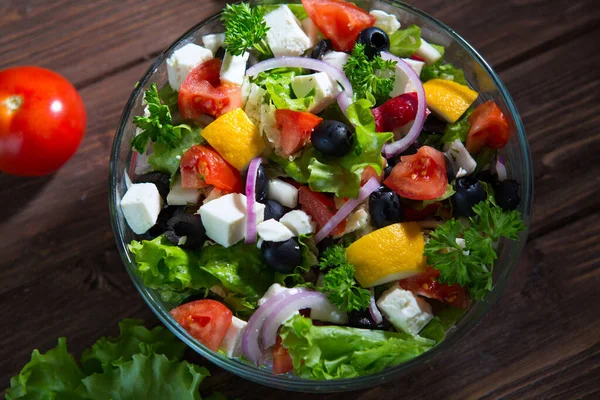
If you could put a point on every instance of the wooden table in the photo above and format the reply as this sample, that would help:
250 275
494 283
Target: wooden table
61 275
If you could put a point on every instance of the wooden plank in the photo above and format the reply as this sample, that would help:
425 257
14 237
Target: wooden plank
87 40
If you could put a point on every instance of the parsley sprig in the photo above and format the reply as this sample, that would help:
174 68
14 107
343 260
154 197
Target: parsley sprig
470 263
339 284
158 127
371 79
245 28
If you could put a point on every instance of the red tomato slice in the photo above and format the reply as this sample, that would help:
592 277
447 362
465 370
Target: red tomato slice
426 284
396 112
206 320
338 20
296 127
282 361
489 128
203 93
421 176
368 173
320 207
202 166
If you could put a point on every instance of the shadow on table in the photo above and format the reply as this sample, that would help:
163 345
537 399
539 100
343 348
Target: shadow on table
17 191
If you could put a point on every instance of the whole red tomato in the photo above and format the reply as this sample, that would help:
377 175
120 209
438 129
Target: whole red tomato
42 121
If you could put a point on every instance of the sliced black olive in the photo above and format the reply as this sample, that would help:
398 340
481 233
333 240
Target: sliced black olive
220 54
434 125
161 223
274 210
161 180
469 191
282 256
262 184
375 41
186 229
321 48
332 138
507 194
363 319
385 208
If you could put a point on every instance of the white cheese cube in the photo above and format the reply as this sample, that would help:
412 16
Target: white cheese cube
274 231
183 61
321 85
273 290
404 310
224 219
141 206
428 53
386 22
283 193
359 219
232 342
179 196
460 158
233 68
311 31
336 58
285 36
299 222
214 41
401 83
329 313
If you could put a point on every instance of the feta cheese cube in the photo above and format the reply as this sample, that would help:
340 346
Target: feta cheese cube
386 22
401 83
224 219
233 68
273 231
428 53
232 342
407 312
329 313
359 219
311 31
460 158
183 61
179 196
285 36
141 206
283 193
273 290
324 88
299 222
336 58
214 41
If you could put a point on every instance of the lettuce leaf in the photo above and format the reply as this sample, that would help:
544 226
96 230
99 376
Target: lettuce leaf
439 70
164 159
297 9
405 42
444 320
459 129
147 377
278 84
332 352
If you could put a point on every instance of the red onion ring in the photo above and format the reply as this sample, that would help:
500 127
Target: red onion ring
368 188
286 309
251 199
250 346
399 146
497 167
373 310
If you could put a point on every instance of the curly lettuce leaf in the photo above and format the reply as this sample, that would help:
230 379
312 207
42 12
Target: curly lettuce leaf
333 352
445 319
278 84
165 159
405 42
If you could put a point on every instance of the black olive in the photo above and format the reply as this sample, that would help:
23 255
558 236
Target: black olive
487 176
161 223
412 149
220 54
434 125
321 48
449 169
161 180
324 244
332 138
274 210
469 191
363 319
385 208
188 225
282 256
375 41
507 194
262 184
387 171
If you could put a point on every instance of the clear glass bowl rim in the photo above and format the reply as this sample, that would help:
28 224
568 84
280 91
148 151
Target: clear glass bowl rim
250 372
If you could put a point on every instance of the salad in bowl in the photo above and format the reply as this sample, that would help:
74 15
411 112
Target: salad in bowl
316 191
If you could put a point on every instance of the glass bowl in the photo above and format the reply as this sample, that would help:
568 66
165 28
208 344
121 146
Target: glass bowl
480 76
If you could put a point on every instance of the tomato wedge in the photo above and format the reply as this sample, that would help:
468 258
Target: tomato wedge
282 361
296 127
426 284
489 128
421 176
320 207
338 20
202 166
206 320
203 93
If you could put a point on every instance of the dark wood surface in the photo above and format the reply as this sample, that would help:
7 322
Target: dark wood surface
61 275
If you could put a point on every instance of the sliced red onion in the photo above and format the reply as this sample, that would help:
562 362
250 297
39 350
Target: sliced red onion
306 63
399 146
497 167
250 345
373 310
368 188
286 309
344 102
251 199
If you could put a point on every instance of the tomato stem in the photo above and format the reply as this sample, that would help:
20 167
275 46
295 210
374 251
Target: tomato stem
13 103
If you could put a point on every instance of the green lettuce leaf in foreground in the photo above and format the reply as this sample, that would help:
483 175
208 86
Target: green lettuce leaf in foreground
333 352
164 158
